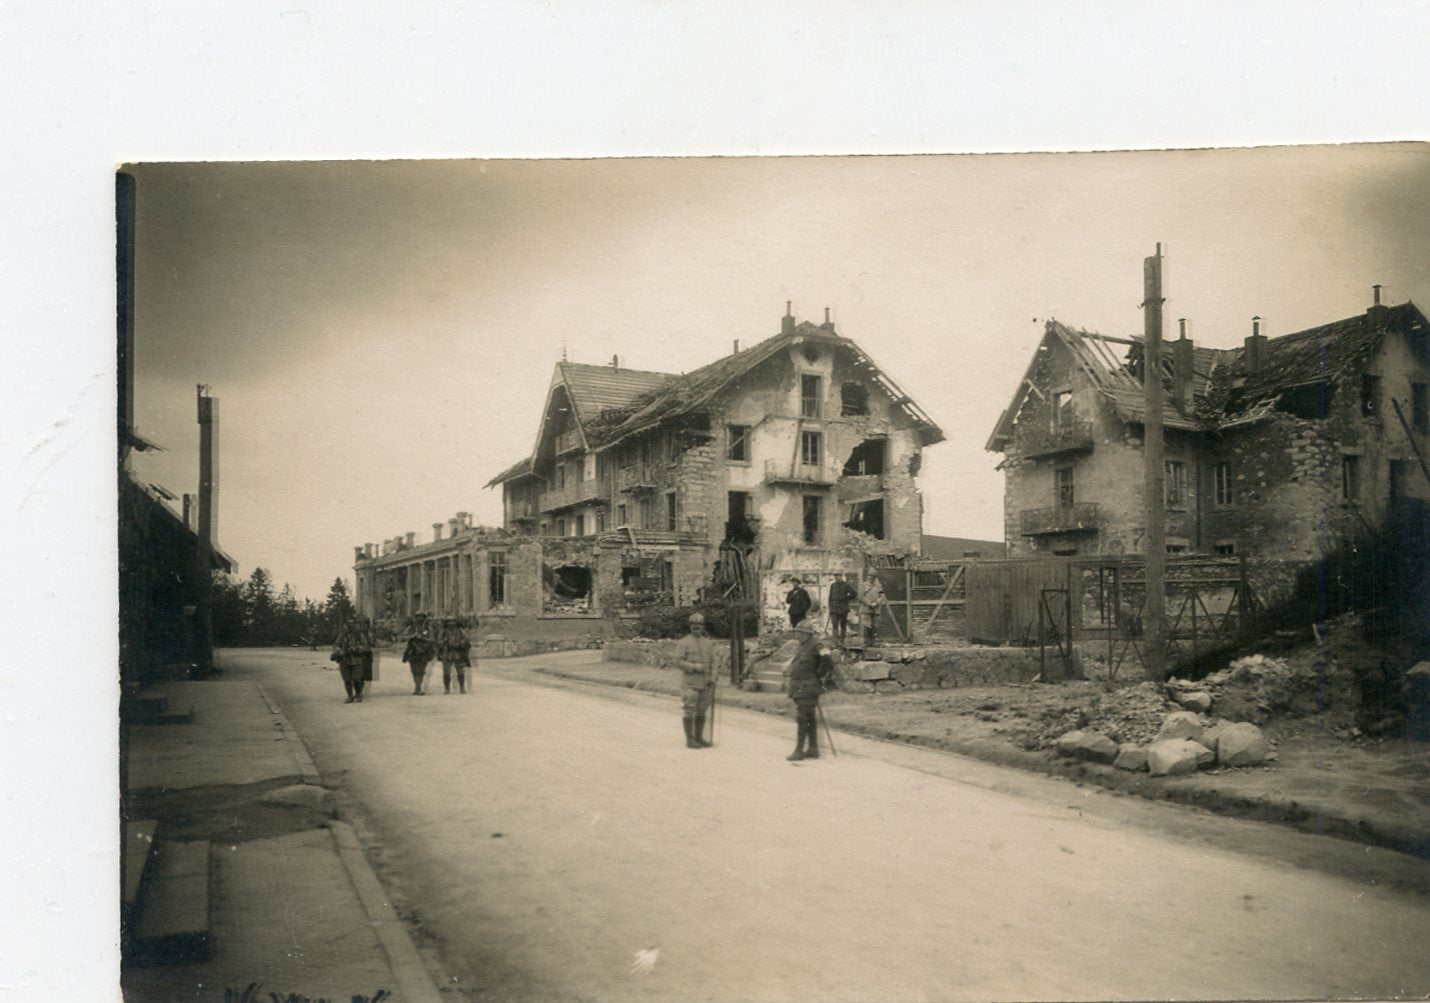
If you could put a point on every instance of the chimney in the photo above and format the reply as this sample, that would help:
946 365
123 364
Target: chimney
188 510
828 324
369 550
208 417
615 362
358 554
1255 356
436 532
736 349
1182 367
787 321
411 540
1376 315
456 525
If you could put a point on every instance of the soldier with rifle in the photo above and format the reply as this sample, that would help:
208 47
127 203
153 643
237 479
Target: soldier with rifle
695 655
420 648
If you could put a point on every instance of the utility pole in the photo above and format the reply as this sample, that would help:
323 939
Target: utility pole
203 578
1155 609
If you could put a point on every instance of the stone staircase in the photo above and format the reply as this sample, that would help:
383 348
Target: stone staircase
152 706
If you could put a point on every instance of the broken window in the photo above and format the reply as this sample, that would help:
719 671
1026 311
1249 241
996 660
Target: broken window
810 447
1350 478
1221 483
1310 401
1065 495
496 577
867 517
1419 407
738 448
1175 482
811 395
1062 409
853 399
1369 395
670 512
866 458
568 589
739 526
811 519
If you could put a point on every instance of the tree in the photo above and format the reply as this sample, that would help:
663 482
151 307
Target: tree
258 607
337 607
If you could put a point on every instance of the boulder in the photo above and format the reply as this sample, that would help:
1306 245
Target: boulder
1090 745
871 671
1241 744
1130 756
1198 701
1180 724
1170 757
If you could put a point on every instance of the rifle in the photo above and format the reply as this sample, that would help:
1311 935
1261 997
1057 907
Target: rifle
711 702
828 735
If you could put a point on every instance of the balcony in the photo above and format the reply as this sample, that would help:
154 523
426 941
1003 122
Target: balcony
1079 518
572 494
640 477
857 487
800 474
568 442
1069 437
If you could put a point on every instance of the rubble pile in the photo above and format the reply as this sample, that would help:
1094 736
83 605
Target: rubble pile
1131 714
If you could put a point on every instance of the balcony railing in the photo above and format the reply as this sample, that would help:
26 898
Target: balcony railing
1079 518
572 494
568 442
795 472
640 477
1069 437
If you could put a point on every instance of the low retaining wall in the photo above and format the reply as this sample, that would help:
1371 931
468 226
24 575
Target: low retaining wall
659 653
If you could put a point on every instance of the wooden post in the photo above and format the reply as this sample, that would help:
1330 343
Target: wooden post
1156 601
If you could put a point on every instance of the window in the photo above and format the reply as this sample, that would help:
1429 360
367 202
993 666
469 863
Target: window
867 517
561 526
1175 484
811 519
810 395
1062 409
1065 487
578 525
1221 483
1398 471
670 508
1419 407
1350 479
600 517
647 514
1224 548
866 458
738 448
810 447
496 577
1369 395
853 399
621 515
560 476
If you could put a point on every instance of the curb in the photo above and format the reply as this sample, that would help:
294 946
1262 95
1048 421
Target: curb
306 768
414 982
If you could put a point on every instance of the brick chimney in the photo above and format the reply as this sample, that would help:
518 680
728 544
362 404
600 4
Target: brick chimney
411 540
828 324
1254 358
436 532
358 553
1376 315
787 321
1182 367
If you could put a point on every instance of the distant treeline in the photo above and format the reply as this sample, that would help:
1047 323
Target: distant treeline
248 613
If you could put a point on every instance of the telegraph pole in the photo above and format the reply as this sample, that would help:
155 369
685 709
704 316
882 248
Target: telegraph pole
203 580
1155 615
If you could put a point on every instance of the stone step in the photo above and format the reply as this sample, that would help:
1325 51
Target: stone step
173 924
138 855
168 714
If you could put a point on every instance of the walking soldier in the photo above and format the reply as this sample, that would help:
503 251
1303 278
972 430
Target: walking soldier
695 654
419 651
809 672
454 650
352 650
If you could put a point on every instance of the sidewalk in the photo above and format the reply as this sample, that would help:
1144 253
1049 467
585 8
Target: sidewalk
1377 795
294 907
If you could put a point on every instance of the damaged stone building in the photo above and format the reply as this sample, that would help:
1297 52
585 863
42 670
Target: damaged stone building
1281 448
796 456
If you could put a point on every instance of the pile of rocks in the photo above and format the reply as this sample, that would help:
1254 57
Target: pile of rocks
1185 742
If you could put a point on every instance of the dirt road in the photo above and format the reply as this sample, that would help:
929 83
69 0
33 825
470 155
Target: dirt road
559 842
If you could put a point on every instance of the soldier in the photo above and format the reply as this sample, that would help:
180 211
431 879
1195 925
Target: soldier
419 651
809 672
797 599
350 650
695 654
455 652
367 642
869 602
841 593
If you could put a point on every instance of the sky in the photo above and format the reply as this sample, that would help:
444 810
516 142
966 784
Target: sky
380 335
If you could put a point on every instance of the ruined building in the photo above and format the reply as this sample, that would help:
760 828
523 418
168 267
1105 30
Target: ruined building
797 453
1281 448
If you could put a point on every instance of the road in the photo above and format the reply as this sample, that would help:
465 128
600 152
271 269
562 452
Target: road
558 841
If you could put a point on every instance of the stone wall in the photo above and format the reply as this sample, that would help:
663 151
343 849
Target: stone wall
660 653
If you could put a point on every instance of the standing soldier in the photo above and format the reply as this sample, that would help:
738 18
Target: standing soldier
841 593
367 642
809 670
454 650
348 651
419 651
869 602
695 654
797 599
